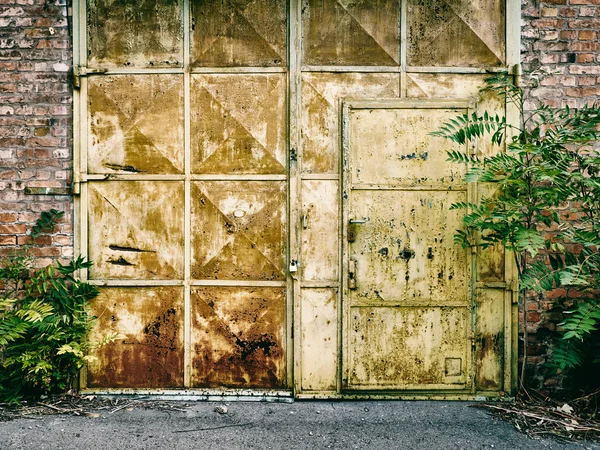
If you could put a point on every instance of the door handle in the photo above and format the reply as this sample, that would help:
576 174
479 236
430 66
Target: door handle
352 223
352 274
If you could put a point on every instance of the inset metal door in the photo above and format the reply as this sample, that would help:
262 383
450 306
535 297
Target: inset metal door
408 289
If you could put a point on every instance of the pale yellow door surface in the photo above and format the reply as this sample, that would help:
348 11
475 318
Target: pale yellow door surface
408 290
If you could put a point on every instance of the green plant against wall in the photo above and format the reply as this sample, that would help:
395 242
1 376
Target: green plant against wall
44 323
545 160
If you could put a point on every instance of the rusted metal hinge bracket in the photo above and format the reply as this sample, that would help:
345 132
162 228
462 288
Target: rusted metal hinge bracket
77 180
517 71
82 71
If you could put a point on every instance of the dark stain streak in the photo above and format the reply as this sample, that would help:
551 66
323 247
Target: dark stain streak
430 253
120 248
123 168
120 262
248 347
383 252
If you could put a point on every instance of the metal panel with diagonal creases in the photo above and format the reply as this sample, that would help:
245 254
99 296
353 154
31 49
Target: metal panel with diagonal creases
149 353
145 33
238 124
232 33
456 33
238 337
238 230
127 133
352 33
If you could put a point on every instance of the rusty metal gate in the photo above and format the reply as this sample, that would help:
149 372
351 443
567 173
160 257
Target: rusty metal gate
263 205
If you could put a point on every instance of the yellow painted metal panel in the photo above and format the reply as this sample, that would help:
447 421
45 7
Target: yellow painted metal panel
128 130
319 339
238 337
151 353
320 242
490 341
136 230
394 147
351 33
144 33
321 93
459 33
408 348
239 33
238 230
238 124
405 251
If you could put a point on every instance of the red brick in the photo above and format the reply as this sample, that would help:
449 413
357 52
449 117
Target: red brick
8 217
8 240
16 228
586 35
582 92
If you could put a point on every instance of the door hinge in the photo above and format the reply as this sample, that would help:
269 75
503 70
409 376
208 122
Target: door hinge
76 183
82 71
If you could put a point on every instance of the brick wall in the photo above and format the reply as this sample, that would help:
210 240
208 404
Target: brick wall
35 122
560 39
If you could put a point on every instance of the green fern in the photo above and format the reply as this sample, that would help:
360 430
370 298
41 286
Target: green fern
44 323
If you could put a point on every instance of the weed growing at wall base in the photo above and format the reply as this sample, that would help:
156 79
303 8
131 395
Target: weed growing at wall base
548 159
44 323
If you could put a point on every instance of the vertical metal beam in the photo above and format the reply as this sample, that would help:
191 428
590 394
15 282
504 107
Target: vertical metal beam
82 127
187 328
294 350
403 45
511 329
78 208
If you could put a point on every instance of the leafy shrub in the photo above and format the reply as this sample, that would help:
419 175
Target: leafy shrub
44 322
548 160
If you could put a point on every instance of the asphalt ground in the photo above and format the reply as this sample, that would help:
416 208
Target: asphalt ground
261 425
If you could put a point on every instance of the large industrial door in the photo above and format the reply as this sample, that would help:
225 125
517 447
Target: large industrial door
215 195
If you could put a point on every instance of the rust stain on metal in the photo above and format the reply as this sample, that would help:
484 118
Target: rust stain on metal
136 230
407 347
238 124
461 33
127 127
320 113
351 33
145 33
237 337
489 357
151 354
238 230
239 33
